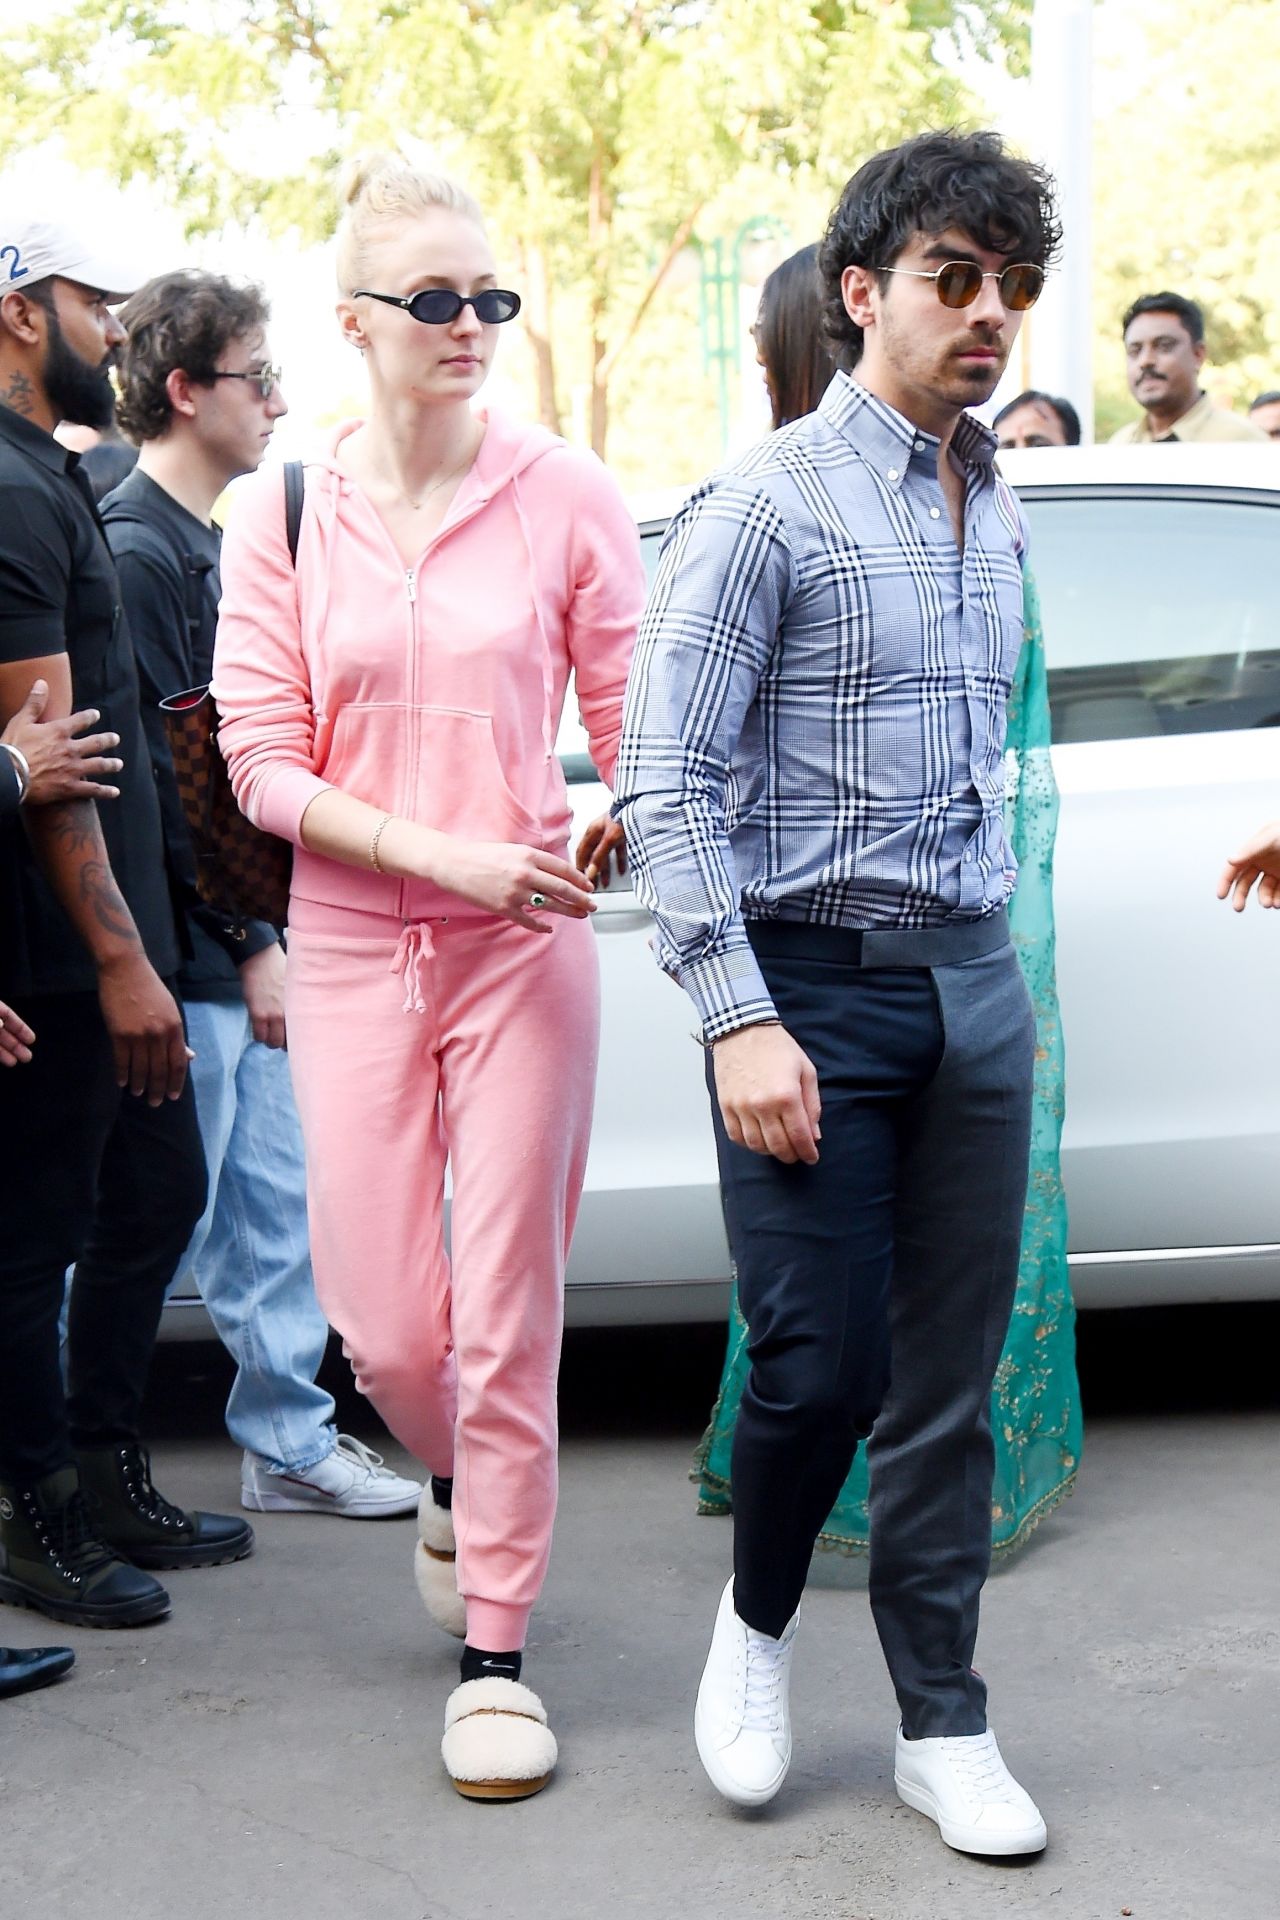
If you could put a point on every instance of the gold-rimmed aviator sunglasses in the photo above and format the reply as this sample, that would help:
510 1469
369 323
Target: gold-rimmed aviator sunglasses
959 282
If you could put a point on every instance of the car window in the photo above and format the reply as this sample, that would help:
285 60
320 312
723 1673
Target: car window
1161 613
571 741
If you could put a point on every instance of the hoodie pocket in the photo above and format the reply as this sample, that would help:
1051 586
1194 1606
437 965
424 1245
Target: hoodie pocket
438 766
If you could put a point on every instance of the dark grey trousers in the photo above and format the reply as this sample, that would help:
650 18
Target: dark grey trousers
877 1286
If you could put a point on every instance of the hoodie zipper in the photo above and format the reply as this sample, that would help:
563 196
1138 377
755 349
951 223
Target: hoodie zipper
411 587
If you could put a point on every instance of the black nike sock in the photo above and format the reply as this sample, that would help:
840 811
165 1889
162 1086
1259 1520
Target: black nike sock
479 1665
442 1491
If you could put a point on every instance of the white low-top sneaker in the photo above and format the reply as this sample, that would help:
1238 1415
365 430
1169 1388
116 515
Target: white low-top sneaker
962 1783
742 1722
351 1481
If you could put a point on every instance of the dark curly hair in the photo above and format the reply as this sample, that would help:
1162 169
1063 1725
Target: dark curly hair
969 181
184 320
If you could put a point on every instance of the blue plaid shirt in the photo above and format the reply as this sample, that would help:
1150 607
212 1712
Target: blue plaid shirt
815 718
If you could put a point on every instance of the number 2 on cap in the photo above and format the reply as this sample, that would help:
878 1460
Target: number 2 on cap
16 271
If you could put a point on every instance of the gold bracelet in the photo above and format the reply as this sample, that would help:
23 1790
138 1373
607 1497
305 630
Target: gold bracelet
374 861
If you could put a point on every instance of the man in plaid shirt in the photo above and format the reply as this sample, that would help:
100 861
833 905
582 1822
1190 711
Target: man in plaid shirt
811 781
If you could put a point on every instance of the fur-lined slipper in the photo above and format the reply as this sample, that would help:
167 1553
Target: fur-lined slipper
435 1567
497 1744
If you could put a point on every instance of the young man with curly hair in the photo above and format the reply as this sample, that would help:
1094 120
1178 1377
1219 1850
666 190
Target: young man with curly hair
811 780
200 396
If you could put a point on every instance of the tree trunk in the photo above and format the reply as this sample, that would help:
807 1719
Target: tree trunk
599 397
536 313
599 211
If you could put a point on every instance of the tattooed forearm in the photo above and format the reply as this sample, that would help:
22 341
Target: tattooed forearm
19 394
73 826
67 841
105 901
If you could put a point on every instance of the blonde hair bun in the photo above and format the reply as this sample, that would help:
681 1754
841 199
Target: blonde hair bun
377 190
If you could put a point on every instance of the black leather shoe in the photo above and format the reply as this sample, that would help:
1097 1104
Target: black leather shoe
22 1669
145 1527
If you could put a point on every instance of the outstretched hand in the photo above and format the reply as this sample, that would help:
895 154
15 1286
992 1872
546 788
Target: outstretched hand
1256 864
66 762
602 844
519 883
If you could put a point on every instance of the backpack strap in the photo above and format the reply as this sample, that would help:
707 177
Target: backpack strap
133 533
294 486
195 573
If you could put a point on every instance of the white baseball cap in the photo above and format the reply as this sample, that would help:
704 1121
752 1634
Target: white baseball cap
34 249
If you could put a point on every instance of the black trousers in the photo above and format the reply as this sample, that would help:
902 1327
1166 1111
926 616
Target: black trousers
93 1178
877 1288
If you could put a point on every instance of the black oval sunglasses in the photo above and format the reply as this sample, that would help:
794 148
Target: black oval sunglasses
439 306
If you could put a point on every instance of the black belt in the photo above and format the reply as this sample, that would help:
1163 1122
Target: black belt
880 946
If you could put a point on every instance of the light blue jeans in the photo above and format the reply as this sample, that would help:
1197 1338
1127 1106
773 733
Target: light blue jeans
250 1256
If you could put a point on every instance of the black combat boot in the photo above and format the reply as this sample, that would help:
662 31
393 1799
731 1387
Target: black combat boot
145 1527
53 1558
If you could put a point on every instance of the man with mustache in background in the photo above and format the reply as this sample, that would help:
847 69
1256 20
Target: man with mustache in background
1164 352
102 1167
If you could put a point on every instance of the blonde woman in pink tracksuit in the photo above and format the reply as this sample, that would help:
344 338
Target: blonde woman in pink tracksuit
391 707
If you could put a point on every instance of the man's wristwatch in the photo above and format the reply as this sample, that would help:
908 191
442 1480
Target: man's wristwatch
21 767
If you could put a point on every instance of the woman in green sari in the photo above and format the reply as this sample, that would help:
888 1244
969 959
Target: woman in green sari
1035 1403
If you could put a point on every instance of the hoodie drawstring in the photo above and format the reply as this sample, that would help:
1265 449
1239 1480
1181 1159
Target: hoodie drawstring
548 670
414 952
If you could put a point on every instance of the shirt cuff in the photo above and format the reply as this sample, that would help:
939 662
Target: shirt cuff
728 990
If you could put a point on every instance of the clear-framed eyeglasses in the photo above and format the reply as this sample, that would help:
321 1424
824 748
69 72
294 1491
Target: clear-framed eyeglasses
266 378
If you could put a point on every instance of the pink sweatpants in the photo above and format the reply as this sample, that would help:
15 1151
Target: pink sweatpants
473 1041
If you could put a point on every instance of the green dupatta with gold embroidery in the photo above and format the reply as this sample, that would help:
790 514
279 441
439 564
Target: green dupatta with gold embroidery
1035 1403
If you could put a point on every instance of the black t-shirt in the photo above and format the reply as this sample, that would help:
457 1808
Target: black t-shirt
106 465
59 594
167 566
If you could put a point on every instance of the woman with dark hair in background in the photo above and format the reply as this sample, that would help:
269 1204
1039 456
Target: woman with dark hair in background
1035 1411
790 344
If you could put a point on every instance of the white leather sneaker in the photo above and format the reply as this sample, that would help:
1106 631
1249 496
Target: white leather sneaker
742 1722
962 1783
351 1481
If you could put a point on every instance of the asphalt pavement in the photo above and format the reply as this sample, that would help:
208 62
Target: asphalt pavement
273 1748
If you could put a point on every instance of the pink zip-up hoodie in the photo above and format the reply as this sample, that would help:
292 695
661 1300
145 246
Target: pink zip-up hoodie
433 692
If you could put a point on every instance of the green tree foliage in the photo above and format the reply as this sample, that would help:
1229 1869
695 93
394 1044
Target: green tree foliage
601 135
1187 185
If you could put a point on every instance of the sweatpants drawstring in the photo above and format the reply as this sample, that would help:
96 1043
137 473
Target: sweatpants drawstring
414 950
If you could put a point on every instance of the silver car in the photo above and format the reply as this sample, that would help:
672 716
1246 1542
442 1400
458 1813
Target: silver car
1159 573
